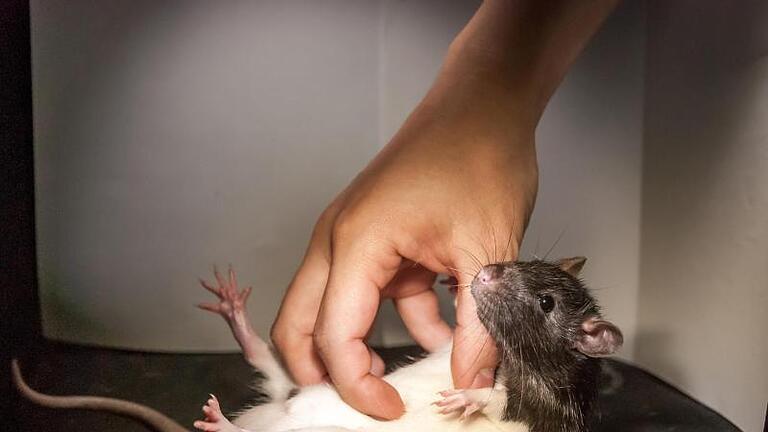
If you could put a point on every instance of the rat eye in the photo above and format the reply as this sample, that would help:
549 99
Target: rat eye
547 303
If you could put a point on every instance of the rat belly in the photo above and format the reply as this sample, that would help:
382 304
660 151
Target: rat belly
320 408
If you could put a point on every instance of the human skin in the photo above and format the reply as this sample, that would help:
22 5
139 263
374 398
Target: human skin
452 190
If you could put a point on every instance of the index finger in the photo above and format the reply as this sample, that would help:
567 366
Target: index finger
346 315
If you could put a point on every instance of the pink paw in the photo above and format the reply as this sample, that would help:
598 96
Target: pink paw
214 419
232 300
458 400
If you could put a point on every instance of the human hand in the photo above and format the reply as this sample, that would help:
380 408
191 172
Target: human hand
442 197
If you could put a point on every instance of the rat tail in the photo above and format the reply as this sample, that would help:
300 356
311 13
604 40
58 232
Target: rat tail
150 417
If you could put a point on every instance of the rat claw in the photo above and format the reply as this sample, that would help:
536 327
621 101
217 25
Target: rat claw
219 278
209 307
232 276
214 421
209 287
246 293
468 411
214 403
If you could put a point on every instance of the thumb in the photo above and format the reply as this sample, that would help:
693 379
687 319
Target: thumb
474 351
349 306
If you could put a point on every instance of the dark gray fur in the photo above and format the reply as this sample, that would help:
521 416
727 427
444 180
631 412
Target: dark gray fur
551 385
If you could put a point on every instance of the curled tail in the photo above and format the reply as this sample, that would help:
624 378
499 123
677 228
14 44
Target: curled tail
150 417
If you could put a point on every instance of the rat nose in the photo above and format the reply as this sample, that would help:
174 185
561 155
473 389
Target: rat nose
489 274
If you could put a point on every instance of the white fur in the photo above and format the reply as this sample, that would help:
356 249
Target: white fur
319 408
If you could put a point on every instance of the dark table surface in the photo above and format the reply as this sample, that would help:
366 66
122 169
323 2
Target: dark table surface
178 384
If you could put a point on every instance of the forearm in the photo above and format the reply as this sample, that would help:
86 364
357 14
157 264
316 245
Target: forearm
513 54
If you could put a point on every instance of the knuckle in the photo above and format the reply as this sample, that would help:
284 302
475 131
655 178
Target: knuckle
326 220
322 342
344 227
326 217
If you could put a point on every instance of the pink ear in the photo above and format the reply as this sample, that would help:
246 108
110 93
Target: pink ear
598 338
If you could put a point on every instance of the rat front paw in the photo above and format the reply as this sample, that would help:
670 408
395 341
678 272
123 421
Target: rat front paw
466 401
214 419
231 299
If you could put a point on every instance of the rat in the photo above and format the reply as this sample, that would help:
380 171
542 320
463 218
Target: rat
550 336
547 327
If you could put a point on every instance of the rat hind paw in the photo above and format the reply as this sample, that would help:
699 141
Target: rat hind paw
465 401
214 419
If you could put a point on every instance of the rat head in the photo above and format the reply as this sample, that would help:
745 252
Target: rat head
539 310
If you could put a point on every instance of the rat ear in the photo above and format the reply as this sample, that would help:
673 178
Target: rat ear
598 338
572 265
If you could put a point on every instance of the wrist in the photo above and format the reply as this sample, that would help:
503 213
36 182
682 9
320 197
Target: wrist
508 86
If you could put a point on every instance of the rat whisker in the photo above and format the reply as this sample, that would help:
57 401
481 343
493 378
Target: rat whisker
522 388
483 242
493 239
471 332
460 271
483 247
560 236
459 285
536 248
477 357
487 256
509 238
473 257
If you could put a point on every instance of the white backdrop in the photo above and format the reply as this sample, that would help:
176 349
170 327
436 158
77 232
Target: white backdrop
172 136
